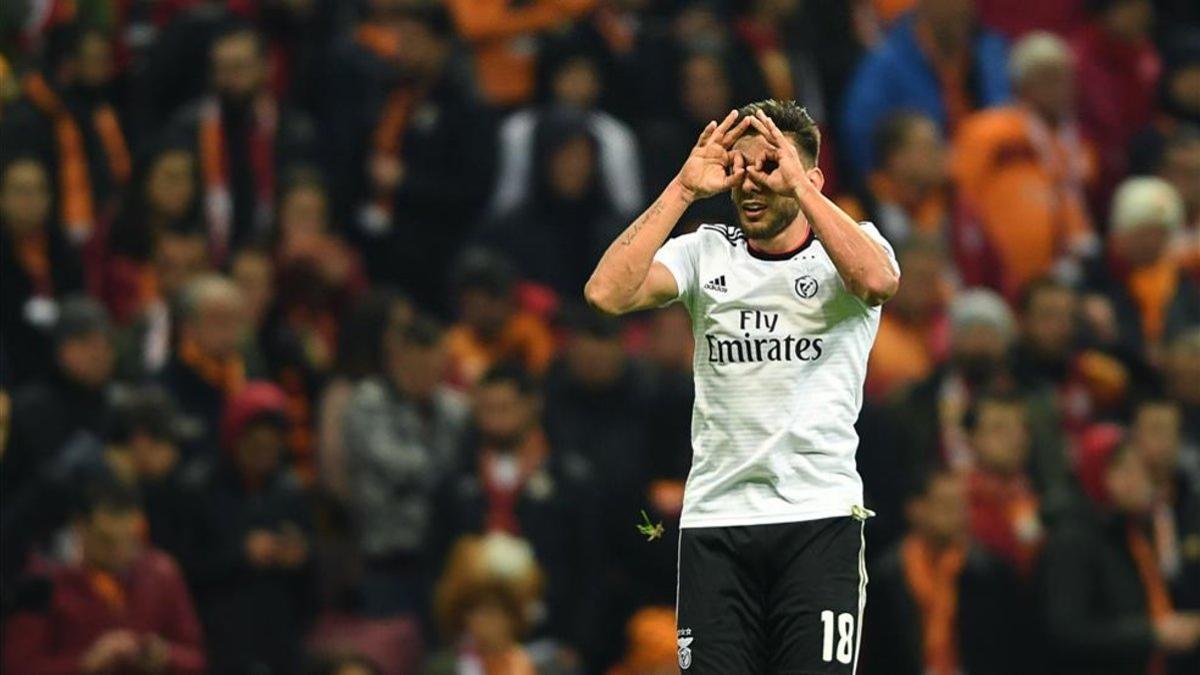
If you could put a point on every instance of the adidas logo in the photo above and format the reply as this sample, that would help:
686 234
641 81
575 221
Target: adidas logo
717 284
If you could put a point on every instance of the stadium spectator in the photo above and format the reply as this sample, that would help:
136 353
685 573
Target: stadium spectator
243 137
776 37
504 35
566 217
928 416
179 257
250 548
1002 157
1016 18
1107 608
316 275
1180 166
668 365
908 195
941 604
912 338
361 335
402 433
1048 354
123 607
68 118
1119 68
208 367
492 327
1004 509
651 646
485 602
252 269
1177 109
164 196
938 61
706 92
135 448
38 266
414 150
596 406
1179 367
1152 298
511 480
528 135
1155 437
300 252
74 399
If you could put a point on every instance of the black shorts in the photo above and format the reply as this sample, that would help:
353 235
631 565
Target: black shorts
785 599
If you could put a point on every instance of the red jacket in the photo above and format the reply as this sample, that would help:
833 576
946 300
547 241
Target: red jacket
155 601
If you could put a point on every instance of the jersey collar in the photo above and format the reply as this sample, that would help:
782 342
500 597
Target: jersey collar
786 255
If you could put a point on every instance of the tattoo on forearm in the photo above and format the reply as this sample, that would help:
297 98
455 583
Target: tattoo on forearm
631 233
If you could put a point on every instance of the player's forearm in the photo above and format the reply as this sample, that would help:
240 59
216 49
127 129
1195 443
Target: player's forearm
616 284
862 263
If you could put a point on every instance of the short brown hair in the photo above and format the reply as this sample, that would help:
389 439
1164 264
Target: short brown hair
791 118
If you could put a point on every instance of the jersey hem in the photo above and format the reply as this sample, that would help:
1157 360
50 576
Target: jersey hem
763 519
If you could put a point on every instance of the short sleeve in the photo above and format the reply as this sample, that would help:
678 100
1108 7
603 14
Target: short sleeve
874 233
678 255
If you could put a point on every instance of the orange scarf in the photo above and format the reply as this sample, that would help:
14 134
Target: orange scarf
1158 599
926 213
511 662
932 577
214 163
1152 289
524 337
952 71
108 588
300 412
33 254
228 375
388 138
76 201
378 39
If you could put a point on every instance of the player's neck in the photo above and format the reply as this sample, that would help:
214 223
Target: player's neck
785 244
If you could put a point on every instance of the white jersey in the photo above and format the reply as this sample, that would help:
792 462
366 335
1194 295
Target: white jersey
781 355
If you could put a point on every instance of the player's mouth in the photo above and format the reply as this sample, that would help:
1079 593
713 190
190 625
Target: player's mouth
753 209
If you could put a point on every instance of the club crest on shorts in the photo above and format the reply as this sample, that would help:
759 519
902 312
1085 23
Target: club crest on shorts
806 286
685 652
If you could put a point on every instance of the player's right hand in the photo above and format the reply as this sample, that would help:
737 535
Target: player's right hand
711 167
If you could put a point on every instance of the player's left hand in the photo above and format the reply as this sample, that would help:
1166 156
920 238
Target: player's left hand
788 175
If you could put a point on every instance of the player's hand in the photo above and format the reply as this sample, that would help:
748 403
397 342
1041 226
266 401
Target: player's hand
711 167
780 170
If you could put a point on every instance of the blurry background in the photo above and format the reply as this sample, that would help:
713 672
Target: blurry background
294 373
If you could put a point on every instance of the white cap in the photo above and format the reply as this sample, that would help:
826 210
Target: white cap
1036 49
981 306
1146 202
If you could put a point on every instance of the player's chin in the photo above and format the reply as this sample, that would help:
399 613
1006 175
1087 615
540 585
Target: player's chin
757 226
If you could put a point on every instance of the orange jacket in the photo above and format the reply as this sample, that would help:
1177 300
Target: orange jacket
525 338
1024 183
502 36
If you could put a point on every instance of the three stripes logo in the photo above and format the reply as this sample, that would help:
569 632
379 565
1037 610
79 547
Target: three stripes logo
717 284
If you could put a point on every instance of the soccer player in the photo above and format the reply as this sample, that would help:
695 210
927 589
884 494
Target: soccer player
784 307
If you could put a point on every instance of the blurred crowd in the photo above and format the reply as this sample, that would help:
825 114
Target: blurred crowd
295 375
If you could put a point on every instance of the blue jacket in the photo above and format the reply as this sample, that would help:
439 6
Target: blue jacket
896 76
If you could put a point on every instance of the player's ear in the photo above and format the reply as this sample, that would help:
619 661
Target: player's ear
817 177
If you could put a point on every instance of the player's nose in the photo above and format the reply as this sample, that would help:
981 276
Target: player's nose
749 186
